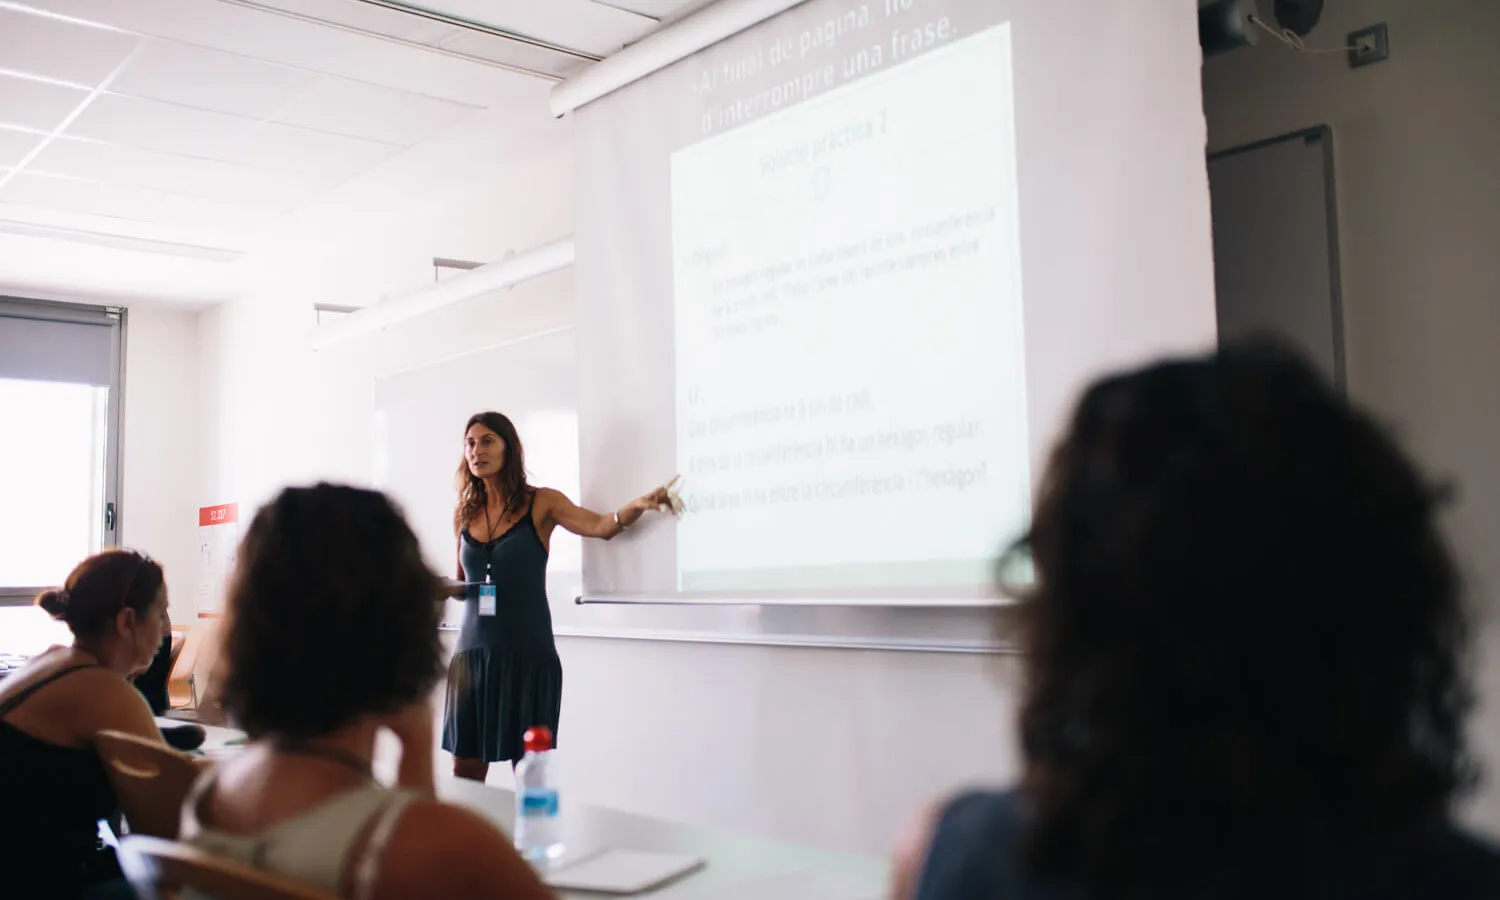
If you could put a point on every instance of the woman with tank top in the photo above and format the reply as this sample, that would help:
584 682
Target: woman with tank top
1244 661
331 637
53 790
505 675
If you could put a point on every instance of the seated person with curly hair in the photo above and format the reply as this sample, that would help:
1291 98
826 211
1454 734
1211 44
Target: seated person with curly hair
331 635
1244 661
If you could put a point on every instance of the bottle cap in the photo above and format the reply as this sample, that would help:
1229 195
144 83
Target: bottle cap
538 739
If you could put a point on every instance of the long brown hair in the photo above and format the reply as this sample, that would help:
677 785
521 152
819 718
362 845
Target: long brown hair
471 492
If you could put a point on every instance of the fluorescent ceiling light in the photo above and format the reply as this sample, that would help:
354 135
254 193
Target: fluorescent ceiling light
49 14
43 79
118 241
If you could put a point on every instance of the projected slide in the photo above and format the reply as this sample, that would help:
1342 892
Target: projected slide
850 372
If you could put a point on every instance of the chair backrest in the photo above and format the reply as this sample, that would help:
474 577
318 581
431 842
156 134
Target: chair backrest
158 869
150 780
181 684
179 640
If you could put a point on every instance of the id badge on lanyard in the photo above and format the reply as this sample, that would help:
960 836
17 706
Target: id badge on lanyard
487 596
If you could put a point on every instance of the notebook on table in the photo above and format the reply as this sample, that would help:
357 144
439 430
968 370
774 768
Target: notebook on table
620 872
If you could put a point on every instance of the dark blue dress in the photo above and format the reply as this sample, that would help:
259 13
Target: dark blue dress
505 676
975 855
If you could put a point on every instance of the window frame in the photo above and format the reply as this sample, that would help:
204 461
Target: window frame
85 314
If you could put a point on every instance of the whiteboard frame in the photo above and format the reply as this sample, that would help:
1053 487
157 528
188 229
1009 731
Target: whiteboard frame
921 629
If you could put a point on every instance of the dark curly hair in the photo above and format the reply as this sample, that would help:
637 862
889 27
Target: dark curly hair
1245 644
332 614
471 491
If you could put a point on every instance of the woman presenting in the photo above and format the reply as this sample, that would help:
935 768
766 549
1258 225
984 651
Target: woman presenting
505 676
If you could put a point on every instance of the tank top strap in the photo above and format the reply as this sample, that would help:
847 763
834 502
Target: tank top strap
8 706
190 825
367 869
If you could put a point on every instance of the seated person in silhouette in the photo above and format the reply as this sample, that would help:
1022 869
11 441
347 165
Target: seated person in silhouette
330 636
1243 661
53 790
152 683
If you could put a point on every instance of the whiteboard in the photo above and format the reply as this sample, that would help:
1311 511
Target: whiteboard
1276 245
419 423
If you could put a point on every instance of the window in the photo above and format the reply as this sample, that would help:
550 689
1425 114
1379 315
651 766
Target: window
59 460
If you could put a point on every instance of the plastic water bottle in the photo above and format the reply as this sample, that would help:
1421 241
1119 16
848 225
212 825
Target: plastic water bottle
538 829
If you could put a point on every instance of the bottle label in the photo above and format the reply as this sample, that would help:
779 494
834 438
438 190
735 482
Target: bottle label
539 802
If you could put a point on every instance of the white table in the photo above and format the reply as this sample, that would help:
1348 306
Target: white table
217 741
739 867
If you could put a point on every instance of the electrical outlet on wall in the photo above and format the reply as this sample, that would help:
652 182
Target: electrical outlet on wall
1368 45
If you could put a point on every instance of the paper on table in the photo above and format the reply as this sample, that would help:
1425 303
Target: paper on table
621 871
799 884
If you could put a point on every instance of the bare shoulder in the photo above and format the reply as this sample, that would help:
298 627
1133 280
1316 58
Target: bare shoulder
549 502
74 708
82 688
549 498
112 702
441 850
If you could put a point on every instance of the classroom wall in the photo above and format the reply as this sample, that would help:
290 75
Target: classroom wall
1416 139
838 748
158 514
279 412
835 748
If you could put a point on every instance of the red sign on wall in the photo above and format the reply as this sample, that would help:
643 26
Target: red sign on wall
227 514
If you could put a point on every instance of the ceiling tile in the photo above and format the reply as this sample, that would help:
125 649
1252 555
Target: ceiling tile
287 148
299 44
209 79
371 112
153 125
14 145
118 201
594 28
36 104
368 17
657 9
53 48
527 57
227 182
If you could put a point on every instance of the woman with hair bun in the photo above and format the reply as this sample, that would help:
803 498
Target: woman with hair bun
52 785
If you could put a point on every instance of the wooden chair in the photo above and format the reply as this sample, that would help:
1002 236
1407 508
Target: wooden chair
150 780
159 869
182 683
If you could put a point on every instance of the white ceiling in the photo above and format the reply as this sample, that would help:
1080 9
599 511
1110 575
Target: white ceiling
593 27
189 127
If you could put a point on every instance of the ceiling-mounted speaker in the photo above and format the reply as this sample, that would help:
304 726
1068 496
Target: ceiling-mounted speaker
1224 25
1298 16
